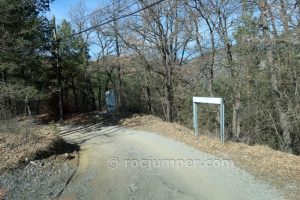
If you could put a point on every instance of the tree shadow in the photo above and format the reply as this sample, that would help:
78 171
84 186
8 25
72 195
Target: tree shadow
79 128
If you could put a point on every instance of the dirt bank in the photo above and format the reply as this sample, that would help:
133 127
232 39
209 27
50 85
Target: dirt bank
39 179
35 163
22 141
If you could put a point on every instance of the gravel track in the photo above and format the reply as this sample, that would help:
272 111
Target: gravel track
119 163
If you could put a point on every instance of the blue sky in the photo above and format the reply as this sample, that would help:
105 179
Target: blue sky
60 8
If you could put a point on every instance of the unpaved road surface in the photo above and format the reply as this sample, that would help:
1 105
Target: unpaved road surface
118 163
39 180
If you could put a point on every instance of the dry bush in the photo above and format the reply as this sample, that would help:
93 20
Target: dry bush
24 129
20 140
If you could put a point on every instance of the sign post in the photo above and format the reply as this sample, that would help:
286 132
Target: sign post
195 118
110 101
209 100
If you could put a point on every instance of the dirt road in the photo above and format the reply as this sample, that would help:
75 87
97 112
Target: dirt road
119 163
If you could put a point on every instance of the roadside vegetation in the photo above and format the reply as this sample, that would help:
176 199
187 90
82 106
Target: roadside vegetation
35 162
20 141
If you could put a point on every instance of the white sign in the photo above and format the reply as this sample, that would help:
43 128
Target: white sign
209 100
110 101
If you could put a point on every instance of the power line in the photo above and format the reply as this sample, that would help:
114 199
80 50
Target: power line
102 9
121 10
115 19
94 12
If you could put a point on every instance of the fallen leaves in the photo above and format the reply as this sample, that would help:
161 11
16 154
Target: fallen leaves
17 148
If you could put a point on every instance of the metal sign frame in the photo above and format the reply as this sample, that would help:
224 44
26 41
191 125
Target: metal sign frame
209 100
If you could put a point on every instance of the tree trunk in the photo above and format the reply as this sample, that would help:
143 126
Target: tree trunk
85 92
59 81
120 99
99 95
75 95
3 75
277 94
236 124
148 97
120 92
27 107
92 95
38 107
148 92
168 94
211 67
284 16
58 73
275 33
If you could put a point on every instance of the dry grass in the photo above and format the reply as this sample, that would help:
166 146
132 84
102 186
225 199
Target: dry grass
21 140
277 167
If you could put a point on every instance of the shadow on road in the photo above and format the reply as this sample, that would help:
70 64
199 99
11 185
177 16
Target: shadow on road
79 128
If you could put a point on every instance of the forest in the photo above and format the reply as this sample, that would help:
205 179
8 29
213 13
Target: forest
157 55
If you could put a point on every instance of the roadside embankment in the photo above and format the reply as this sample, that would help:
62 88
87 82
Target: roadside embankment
35 162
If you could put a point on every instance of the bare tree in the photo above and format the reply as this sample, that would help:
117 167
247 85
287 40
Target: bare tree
278 95
167 38
78 16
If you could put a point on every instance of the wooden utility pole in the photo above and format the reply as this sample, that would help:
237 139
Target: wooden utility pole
120 99
58 72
